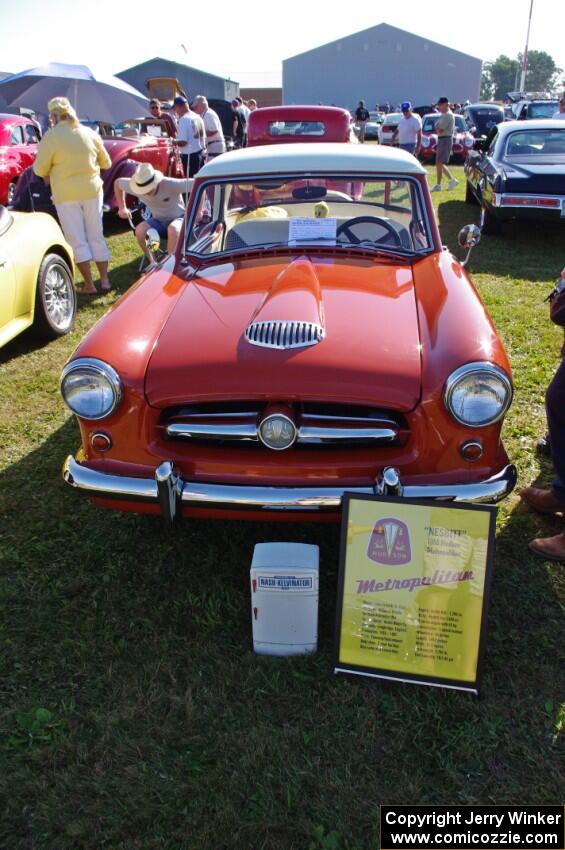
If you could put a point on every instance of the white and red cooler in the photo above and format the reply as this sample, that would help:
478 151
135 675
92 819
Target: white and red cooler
284 598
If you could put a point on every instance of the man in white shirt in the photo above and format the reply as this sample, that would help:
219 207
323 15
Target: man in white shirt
191 137
409 130
215 142
560 115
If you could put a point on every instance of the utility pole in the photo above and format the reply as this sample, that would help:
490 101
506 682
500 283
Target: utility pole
525 59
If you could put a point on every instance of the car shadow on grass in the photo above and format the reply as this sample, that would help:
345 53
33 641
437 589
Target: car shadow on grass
520 251
24 343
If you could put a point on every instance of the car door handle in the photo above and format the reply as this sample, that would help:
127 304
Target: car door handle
3 263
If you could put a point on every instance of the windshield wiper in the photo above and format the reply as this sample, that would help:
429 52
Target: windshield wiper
365 245
383 250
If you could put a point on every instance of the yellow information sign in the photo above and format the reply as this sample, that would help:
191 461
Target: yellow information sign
413 585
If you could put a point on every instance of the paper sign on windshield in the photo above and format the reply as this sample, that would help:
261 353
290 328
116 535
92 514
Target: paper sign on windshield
312 230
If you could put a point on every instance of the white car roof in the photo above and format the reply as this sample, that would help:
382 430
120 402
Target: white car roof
303 157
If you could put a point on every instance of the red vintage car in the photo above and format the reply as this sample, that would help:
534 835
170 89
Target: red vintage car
145 141
463 140
304 341
128 145
272 125
19 137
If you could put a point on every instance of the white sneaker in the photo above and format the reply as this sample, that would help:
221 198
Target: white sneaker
436 188
452 183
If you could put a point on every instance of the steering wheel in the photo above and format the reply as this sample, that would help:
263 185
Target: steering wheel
345 229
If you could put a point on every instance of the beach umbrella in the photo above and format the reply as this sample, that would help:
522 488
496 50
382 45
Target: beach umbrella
94 97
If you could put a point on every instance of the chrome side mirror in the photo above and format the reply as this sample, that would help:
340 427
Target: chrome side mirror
152 240
468 237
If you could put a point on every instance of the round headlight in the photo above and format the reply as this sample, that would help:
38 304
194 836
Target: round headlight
425 142
91 388
478 394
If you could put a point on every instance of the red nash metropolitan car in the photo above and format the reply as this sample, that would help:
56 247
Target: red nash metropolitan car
304 341
272 125
19 137
463 139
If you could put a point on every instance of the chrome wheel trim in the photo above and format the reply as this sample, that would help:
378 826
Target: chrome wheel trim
58 298
11 192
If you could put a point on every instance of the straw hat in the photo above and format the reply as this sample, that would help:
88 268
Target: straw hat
145 179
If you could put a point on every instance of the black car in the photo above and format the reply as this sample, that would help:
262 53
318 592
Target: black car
224 111
519 172
480 118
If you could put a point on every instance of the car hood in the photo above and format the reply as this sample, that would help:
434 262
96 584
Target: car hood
120 148
369 354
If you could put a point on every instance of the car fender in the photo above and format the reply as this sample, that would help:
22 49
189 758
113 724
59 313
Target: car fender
8 171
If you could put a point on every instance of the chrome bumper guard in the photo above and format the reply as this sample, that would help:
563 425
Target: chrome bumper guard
171 492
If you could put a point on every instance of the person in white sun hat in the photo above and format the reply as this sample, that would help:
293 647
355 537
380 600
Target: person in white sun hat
163 197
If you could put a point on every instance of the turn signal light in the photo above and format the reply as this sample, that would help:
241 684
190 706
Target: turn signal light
100 442
471 450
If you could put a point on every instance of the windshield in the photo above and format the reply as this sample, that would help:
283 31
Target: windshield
374 214
543 110
539 143
431 120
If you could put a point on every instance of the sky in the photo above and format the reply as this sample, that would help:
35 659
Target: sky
255 35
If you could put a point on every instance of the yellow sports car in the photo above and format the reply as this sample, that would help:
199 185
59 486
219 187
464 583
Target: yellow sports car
36 276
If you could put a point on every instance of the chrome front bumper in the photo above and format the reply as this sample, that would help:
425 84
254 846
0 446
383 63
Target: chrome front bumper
171 492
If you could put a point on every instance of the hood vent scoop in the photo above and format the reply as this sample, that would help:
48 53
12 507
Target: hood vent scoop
284 334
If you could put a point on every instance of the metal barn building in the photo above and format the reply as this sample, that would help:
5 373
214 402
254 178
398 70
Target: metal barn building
378 65
192 81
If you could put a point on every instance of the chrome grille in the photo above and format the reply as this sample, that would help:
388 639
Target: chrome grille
284 335
317 425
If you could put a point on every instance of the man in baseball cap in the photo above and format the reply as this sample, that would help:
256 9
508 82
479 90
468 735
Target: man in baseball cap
409 130
191 136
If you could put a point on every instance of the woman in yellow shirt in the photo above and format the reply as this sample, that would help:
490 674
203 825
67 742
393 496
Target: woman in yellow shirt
69 158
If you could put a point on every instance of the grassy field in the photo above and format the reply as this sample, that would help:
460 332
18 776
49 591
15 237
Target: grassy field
134 714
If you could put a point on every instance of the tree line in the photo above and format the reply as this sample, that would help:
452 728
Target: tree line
503 75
